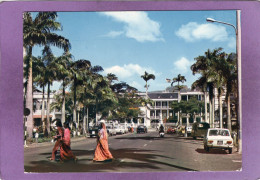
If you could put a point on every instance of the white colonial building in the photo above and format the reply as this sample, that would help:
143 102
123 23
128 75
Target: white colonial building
161 110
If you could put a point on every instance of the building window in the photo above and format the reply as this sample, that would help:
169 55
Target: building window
158 104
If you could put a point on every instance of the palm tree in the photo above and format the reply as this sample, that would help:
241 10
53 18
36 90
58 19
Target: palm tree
205 66
39 31
201 83
179 79
39 75
62 65
146 78
229 72
51 75
77 70
88 97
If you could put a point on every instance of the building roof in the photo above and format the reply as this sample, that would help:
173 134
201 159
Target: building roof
163 95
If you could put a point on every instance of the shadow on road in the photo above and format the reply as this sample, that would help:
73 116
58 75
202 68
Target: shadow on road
143 138
126 160
212 151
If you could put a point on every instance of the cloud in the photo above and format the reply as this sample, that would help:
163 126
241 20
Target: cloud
194 31
127 71
182 65
136 84
114 34
232 42
137 25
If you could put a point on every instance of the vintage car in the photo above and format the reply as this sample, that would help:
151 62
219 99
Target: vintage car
218 138
119 129
199 129
110 130
188 130
93 131
141 129
171 130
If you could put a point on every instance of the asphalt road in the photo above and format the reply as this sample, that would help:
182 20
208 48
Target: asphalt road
136 153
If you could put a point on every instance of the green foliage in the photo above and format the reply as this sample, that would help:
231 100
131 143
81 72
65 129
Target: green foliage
190 107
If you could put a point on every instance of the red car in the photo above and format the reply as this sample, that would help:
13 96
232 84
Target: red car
170 130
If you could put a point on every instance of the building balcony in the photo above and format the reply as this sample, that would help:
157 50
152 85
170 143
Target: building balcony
155 117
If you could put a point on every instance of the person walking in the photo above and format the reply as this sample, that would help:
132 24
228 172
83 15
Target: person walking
102 152
58 138
65 149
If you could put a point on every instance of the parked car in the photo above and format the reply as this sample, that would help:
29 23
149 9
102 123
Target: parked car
171 130
199 129
125 129
93 131
119 129
141 129
110 130
188 130
218 138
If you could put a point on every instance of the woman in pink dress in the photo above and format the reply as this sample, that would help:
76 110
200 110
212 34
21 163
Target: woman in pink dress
58 138
102 152
65 150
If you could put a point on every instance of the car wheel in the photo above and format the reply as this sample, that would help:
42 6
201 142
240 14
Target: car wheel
230 151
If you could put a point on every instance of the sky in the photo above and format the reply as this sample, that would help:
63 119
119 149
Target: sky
128 43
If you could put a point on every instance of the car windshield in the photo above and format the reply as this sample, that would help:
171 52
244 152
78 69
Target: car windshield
216 132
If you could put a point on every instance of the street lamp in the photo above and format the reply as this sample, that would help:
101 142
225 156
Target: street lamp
238 49
213 20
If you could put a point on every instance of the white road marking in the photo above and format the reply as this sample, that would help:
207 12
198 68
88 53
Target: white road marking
237 161
150 141
145 144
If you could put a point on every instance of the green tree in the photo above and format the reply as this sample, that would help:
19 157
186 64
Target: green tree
146 77
39 31
179 79
63 64
205 65
77 71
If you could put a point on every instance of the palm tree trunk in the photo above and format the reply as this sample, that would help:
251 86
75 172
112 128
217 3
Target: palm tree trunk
96 112
206 107
228 112
220 110
43 110
178 114
84 121
74 105
210 112
63 105
213 111
78 123
87 118
48 111
29 97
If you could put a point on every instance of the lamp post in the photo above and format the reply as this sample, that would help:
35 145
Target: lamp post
238 51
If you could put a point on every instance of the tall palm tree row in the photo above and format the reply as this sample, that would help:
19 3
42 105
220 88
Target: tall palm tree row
39 31
218 71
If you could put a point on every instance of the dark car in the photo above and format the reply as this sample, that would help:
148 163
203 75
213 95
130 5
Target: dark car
141 129
93 131
199 129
